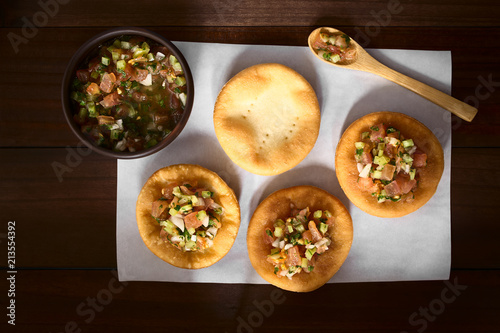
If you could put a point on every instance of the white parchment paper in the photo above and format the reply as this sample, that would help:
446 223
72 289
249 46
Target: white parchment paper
414 247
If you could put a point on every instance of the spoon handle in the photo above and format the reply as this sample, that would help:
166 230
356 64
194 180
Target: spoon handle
458 108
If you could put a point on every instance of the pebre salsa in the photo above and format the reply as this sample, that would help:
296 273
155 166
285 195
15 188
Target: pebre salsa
130 96
388 164
334 47
298 241
188 216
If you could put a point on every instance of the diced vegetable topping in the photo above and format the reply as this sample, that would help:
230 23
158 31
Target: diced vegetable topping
334 47
135 81
189 220
297 241
388 163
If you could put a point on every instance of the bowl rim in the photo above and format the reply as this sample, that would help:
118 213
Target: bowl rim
85 49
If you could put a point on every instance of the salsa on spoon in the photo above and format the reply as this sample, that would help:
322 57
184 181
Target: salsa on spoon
336 48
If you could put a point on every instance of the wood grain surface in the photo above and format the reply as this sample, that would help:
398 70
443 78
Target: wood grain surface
66 224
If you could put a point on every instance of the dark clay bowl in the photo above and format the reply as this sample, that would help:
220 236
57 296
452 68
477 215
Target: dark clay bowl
90 49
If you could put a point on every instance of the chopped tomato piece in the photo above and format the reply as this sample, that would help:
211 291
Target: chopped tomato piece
293 257
419 159
108 82
93 89
111 100
334 49
307 235
367 184
167 191
377 132
191 221
366 158
390 150
388 172
267 238
319 44
83 75
105 120
316 235
159 209
404 183
392 189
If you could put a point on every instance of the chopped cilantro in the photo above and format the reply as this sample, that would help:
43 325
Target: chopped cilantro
347 39
294 238
359 151
310 268
276 270
269 233
374 128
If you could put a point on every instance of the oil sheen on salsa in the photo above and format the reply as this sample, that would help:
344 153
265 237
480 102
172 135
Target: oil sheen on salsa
130 96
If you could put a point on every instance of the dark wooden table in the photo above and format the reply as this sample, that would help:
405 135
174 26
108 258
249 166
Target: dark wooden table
65 248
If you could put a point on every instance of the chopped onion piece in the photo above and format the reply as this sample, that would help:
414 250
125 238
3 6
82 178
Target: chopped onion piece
119 122
215 205
160 56
412 150
366 171
360 166
121 145
200 202
177 238
193 238
288 246
147 81
276 243
212 230
179 222
282 244
321 242
206 219
183 98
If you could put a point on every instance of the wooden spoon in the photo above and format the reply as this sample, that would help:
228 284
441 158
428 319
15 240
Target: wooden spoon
362 61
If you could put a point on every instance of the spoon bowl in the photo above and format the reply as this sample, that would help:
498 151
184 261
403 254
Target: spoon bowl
363 61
